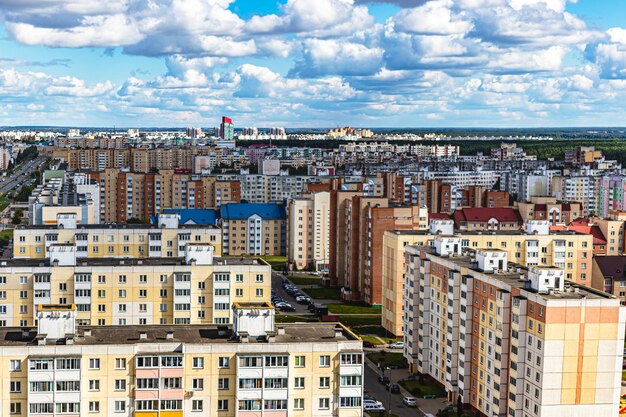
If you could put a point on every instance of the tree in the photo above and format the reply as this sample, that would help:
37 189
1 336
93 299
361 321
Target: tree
459 406
23 194
17 216
135 220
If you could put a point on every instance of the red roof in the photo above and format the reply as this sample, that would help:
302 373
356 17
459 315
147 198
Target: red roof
540 207
598 236
438 216
483 215
579 221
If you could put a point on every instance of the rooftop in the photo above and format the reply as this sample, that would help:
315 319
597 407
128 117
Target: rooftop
197 334
461 233
16 263
242 211
141 226
512 278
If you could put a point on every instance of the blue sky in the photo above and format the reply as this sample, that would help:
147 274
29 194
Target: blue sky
313 63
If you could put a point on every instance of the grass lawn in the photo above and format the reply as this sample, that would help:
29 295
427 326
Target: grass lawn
376 330
323 293
304 279
6 234
276 262
356 320
419 390
372 339
352 309
388 360
4 202
290 318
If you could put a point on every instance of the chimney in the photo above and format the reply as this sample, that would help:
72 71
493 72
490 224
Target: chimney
87 333
338 332
169 335
143 336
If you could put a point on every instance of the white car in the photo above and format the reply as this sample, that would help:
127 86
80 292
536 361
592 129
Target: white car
409 401
367 406
396 345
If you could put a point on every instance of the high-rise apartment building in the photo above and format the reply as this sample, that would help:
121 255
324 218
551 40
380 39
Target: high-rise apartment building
536 245
227 129
253 229
308 243
508 340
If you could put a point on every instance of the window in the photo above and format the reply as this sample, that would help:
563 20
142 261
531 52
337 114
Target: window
222 383
351 358
120 406
196 405
223 362
94 385
275 405
324 382
15 408
15 386
122 279
300 361
349 402
350 380
172 383
259 277
222 405
120 385
197 384
94 363
198 362
324 403
94 406
120 363
15 365
324 361
239 292
67 386
276 361
239 278
259 292
73 363
143 293
298 382
298 403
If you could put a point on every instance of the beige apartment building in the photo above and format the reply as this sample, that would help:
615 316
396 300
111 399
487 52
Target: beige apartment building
197 288
308 242
167 239
254 367
536 246
510 340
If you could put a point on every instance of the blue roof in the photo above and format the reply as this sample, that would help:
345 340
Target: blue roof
195 216
242 211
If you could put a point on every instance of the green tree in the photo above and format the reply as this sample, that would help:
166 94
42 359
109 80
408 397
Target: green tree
23 194
17 216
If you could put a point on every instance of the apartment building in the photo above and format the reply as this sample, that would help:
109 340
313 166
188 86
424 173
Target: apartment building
508 340
339 221
195 289
581 188
366 221
609 275
169 238
137 195
548 208
536 245
271 188
308 243
249 369
253 229
64 194
487 219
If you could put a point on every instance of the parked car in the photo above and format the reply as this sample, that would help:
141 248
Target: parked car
368 344
396 345
409 401
287 307
373 407
393 388
311 308
383 379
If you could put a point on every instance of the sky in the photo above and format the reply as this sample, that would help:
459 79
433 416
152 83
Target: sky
313 63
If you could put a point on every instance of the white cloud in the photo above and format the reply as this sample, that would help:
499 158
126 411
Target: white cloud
326 57
433 18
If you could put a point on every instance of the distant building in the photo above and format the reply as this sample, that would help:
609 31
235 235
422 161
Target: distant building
269 167
193 132
227 129
309 231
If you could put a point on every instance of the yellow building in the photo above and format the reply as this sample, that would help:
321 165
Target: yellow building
197 288
308 243
168 239
251 369
537 245
510 340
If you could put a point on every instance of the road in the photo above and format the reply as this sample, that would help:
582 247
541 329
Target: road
376 390
21 174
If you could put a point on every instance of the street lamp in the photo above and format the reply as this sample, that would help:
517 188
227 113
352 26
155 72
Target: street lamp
389 398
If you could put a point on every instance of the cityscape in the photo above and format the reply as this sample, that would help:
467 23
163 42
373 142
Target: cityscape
312 208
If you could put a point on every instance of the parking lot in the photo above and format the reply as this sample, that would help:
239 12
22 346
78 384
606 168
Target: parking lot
277 287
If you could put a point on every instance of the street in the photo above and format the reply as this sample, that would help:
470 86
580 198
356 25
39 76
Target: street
21 174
